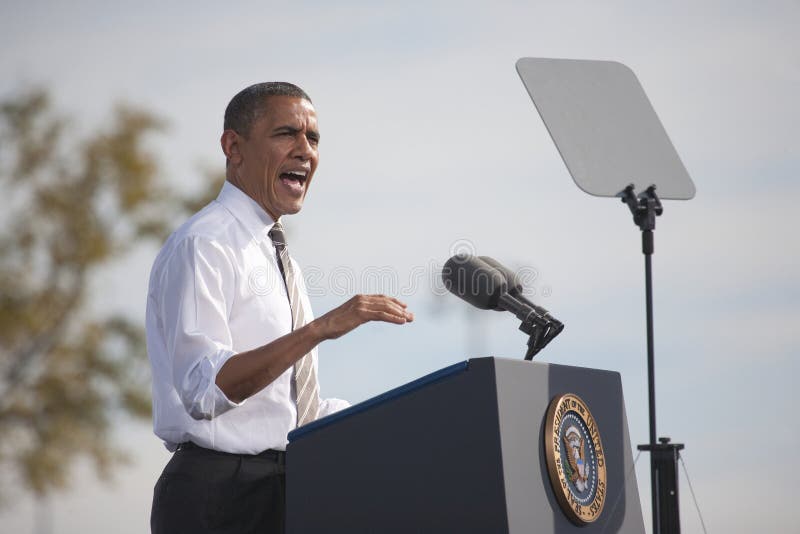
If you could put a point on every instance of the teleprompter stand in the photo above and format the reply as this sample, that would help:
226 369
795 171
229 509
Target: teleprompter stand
608 134
663 455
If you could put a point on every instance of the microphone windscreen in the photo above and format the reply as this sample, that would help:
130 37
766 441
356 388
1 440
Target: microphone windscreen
474 281
514 285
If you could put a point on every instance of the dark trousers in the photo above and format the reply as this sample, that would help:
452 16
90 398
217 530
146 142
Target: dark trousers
203 491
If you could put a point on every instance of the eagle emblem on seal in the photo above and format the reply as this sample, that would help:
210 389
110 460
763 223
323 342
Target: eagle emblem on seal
576 456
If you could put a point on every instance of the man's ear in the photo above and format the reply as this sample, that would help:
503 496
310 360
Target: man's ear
230 146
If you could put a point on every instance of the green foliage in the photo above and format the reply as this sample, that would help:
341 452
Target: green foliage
68 210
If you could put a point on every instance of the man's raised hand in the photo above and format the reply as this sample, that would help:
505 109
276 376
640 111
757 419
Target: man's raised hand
359 310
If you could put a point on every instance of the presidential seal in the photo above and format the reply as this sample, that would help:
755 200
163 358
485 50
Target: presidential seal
575 460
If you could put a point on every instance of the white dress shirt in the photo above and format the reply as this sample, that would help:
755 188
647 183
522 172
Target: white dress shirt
216 291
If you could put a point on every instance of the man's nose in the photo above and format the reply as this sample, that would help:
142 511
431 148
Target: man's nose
303 148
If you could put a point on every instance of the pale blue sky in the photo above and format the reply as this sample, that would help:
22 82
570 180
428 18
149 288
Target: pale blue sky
428 138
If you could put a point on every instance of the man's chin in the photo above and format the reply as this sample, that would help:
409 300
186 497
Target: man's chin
292 209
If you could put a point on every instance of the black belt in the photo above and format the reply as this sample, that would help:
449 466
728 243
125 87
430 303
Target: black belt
279 457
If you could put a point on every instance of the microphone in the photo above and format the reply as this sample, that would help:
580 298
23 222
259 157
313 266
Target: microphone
482 285
487 284
515 290
474 281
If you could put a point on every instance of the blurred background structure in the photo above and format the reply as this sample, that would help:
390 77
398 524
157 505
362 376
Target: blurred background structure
110 118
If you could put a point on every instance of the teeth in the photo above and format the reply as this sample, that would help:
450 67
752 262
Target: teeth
297 173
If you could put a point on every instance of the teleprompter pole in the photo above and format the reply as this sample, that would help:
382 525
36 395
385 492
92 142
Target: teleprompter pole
664 455
647 249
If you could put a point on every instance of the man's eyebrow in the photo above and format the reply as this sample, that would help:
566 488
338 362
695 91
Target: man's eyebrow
286 128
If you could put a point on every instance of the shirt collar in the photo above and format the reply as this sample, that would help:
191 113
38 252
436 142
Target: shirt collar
246 210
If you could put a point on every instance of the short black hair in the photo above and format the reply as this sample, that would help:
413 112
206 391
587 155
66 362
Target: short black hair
249 104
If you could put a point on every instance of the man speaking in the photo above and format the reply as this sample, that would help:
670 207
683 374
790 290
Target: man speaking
230 333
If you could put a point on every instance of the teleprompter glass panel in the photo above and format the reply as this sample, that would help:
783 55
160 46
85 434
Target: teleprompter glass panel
604 127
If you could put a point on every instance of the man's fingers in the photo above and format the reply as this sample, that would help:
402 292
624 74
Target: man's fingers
400 303
390 318
378 296
390 305
402 307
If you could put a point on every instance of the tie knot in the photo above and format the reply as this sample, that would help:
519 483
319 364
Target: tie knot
277 235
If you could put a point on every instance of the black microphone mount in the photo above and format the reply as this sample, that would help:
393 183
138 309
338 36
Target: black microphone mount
541 328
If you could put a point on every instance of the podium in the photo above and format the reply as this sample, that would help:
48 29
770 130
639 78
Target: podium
460 450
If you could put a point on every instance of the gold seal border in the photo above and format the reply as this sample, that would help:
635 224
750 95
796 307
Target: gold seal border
575 512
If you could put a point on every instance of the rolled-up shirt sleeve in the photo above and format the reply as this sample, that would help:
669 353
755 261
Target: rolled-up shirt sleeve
197 287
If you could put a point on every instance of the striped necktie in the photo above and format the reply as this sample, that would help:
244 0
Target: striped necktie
305 376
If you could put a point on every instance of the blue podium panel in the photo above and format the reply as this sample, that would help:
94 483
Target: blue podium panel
459 450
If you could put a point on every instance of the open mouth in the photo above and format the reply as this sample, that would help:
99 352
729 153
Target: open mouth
295 182
294 177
